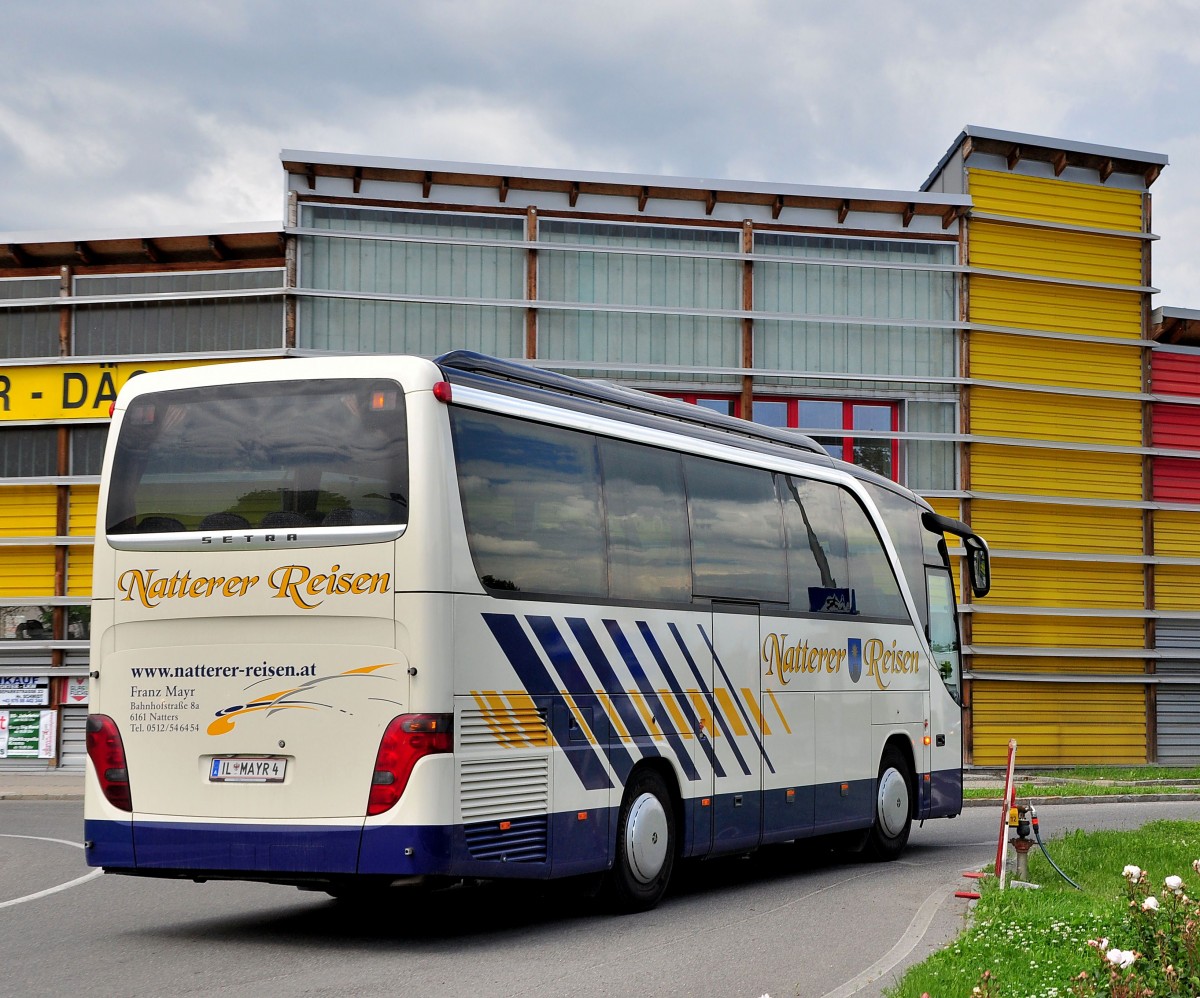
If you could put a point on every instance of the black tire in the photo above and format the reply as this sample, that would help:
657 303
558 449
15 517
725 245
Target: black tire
646 842
893 808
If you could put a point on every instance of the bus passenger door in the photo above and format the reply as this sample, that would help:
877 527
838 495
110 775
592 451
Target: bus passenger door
737 739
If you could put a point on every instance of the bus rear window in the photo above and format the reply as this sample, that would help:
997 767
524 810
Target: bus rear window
275 455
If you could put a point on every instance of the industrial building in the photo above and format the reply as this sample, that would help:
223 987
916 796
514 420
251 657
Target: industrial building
989 340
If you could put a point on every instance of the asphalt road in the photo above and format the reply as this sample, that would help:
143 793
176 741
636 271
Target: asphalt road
780 923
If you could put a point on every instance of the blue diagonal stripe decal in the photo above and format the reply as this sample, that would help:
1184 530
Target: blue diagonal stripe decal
718 717
524 659
577 685
737 699
680 696
665 725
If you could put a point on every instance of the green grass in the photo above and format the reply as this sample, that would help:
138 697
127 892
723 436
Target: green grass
1097 781
1035 941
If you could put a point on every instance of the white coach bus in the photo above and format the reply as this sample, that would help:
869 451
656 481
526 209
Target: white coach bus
368 621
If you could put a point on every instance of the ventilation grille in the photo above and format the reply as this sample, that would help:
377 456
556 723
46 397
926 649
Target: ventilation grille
521 840
492 789
500 723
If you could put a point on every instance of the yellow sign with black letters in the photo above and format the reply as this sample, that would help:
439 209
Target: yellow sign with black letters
71 391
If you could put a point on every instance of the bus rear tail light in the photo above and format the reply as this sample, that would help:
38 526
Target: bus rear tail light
107 752
408 739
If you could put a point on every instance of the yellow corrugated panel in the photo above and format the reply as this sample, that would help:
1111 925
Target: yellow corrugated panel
26 571
1062 201
1028 360
945 506
1057 723
1005 412
27 511
1049 472
1177 587
1076 256
1059 308
1021 582
1056 632
1046 527
81 511
1177 533
79 571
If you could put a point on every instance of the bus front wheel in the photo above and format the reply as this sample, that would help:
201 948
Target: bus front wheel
893 807
645 845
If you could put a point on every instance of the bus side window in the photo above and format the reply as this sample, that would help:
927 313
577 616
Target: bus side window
943 629
818 572
737 532
876 589
531 502
646 514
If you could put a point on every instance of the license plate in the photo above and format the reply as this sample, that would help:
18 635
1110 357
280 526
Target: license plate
244 770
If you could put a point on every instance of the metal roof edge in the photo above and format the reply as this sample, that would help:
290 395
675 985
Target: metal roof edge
630 179
1044 142
171 232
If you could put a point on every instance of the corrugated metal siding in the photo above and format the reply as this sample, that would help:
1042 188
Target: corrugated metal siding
1058 723
1177 587
27 571
1053 665
79 571
1046 472
1178 705
1174 373
1003 412
999 357
1046 527
1056 308
1048 253
1175 426
945 506
1176 479
81 510
1047 200
27 511
1177 532
1056 632
1017 582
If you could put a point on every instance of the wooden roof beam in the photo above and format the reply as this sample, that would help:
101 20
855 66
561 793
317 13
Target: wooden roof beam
710 202
427 184
951 215
357 179
777 207
573 197
1014 157
1059 161
1106 170
18 254
84 254
217 248
906 216
503 189
843 210
151 251
1152 173
643 197
310 174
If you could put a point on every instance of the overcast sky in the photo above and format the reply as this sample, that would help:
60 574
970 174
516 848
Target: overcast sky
151 114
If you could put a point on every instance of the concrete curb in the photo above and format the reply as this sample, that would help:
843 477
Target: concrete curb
1094 799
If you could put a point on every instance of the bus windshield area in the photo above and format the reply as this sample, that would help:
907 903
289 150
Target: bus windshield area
273 455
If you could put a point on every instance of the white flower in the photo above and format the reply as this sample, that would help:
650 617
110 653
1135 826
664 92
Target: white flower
1174 884
1196 865
1122 958
1150 904
1134 873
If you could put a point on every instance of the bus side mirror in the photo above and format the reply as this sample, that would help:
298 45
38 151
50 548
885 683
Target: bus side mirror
979 565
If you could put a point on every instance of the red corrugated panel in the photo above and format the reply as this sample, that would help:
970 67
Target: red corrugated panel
1176 479
1175 426
1175 373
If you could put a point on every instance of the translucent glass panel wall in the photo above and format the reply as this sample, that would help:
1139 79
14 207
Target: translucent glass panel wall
393 255
668 278
28 332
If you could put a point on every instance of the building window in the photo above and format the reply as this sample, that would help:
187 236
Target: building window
848 419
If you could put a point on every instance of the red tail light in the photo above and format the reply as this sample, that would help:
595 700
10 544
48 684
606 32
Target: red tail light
107 752
408 739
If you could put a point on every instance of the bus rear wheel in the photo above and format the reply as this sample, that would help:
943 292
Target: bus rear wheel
645 845
893 807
